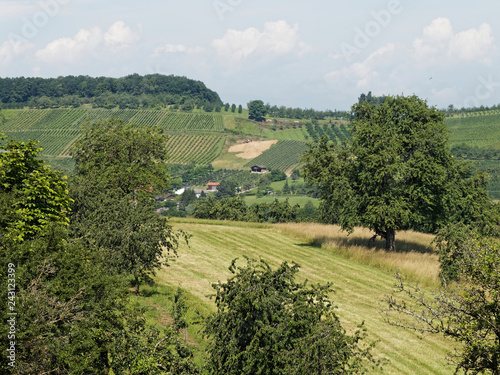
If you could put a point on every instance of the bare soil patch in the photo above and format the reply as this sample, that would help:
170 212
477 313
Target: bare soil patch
252 149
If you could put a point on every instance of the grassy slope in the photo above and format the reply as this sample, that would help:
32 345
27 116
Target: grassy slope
359 287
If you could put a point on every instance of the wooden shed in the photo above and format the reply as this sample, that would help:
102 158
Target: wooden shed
258 169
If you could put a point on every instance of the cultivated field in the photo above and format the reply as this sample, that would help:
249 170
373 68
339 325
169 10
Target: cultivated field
282 156
360 272
200 149
57 129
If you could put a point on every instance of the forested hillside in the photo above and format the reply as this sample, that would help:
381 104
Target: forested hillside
130 91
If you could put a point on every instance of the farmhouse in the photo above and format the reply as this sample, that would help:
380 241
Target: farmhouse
212 186
258 169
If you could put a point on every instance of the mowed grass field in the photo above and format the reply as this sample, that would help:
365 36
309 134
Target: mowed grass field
359 270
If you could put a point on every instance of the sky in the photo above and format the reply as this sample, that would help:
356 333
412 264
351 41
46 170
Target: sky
314 54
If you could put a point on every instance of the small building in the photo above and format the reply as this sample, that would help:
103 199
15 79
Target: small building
212 186
180 191
258 169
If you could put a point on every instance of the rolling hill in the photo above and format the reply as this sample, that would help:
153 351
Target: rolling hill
206 137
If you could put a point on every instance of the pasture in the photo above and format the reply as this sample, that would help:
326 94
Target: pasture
360 271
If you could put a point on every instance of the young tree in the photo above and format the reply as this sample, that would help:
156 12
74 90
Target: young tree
470 314
118 167
267 323
396 171
122 157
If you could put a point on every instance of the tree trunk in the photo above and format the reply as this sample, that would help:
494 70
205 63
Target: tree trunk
137 285
390 240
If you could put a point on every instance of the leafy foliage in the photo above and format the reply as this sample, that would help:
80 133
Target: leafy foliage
470 314
118 168
395 172
76 317
124 91
256 110
33 196
267 323
235 209
124 157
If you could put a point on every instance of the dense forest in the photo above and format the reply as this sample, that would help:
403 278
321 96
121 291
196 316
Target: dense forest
130 91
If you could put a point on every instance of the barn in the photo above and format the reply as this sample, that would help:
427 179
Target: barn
258 169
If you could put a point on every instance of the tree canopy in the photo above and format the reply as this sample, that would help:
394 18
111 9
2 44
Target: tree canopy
256 110
124 157
118 169
73 313
32 194
167 89
267 323
396 171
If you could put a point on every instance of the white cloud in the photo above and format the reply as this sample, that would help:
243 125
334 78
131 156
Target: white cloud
276 39
120 36
439 44
365 72
12 48
473 44
176 48
88 42
67 50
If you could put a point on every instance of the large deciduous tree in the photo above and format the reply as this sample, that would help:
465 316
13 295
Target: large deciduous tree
267 323
396 171
73 315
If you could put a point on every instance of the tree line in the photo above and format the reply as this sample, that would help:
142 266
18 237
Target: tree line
76 90
257 110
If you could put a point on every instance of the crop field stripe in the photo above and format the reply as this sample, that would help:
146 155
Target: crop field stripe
477 130
282 156
201 149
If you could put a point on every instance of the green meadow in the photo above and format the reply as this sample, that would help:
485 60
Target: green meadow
361 273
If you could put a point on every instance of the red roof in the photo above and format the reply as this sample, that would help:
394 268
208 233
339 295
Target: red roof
213 184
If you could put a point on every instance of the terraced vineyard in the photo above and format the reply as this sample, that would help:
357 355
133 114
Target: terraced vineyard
283 156
477 129
199 149
57 129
